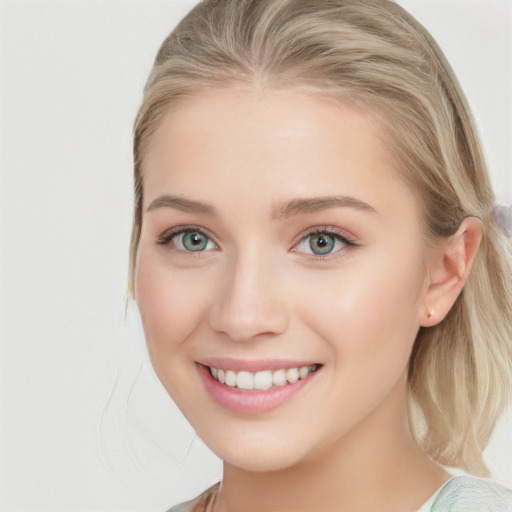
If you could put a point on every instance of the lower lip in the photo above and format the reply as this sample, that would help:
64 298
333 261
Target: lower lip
250 402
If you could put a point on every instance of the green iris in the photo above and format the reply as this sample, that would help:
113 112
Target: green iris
195 241
321 243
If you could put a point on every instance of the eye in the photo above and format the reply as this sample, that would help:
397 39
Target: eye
322 243
188 240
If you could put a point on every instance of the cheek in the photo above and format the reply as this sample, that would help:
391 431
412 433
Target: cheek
385 299
170 303
369 309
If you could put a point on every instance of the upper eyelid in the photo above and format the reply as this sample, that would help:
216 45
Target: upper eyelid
348 240
330 230
169 233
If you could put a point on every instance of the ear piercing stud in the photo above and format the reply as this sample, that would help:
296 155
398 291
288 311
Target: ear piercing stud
430 313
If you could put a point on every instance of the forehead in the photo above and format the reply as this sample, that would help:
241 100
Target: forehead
278 142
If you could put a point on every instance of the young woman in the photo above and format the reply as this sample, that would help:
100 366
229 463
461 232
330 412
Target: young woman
322 289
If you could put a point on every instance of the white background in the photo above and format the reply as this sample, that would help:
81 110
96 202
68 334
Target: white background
72 74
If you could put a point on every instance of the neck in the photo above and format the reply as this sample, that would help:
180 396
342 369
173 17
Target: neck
376 466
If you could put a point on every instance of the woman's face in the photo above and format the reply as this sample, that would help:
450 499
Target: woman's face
278 243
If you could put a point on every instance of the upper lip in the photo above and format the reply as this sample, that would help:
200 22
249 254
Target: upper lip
253 365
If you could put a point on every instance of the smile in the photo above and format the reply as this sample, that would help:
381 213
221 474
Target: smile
258 391
262 380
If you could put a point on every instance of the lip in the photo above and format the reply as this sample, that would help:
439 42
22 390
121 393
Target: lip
251 402
254 365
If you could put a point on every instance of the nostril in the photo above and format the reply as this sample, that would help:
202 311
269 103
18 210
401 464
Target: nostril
246 324
250 301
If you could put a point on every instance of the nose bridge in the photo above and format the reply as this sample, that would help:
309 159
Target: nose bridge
250 301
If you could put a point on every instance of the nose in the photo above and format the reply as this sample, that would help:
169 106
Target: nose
251 301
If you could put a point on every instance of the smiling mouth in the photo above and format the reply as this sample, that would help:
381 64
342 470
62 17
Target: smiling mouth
262 380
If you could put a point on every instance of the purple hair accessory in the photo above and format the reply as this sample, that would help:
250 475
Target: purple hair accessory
502 217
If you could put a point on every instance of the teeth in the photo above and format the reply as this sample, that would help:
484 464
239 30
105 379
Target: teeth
279 378
262 380
292 375
303 372
231 378
245 380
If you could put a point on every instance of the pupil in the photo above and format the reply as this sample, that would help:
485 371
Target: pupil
195 241
321 244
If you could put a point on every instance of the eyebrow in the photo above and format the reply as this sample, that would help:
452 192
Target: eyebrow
315 204
182 204
299 206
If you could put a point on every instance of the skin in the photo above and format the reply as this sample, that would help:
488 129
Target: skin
341 443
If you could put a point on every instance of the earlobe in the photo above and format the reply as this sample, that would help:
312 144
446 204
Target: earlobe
448 269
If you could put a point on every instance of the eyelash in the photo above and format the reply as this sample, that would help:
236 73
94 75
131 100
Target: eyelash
167 236
338 234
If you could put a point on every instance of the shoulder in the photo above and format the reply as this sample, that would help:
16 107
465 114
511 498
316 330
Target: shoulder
201 503
470 494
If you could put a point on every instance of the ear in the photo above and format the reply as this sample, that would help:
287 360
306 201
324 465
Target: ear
448 266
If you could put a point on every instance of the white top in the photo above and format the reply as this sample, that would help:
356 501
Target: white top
428 504
459 494
469 494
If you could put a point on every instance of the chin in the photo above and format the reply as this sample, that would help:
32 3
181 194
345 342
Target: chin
250 456
257 462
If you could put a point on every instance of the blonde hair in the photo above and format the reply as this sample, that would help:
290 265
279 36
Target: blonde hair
374 54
